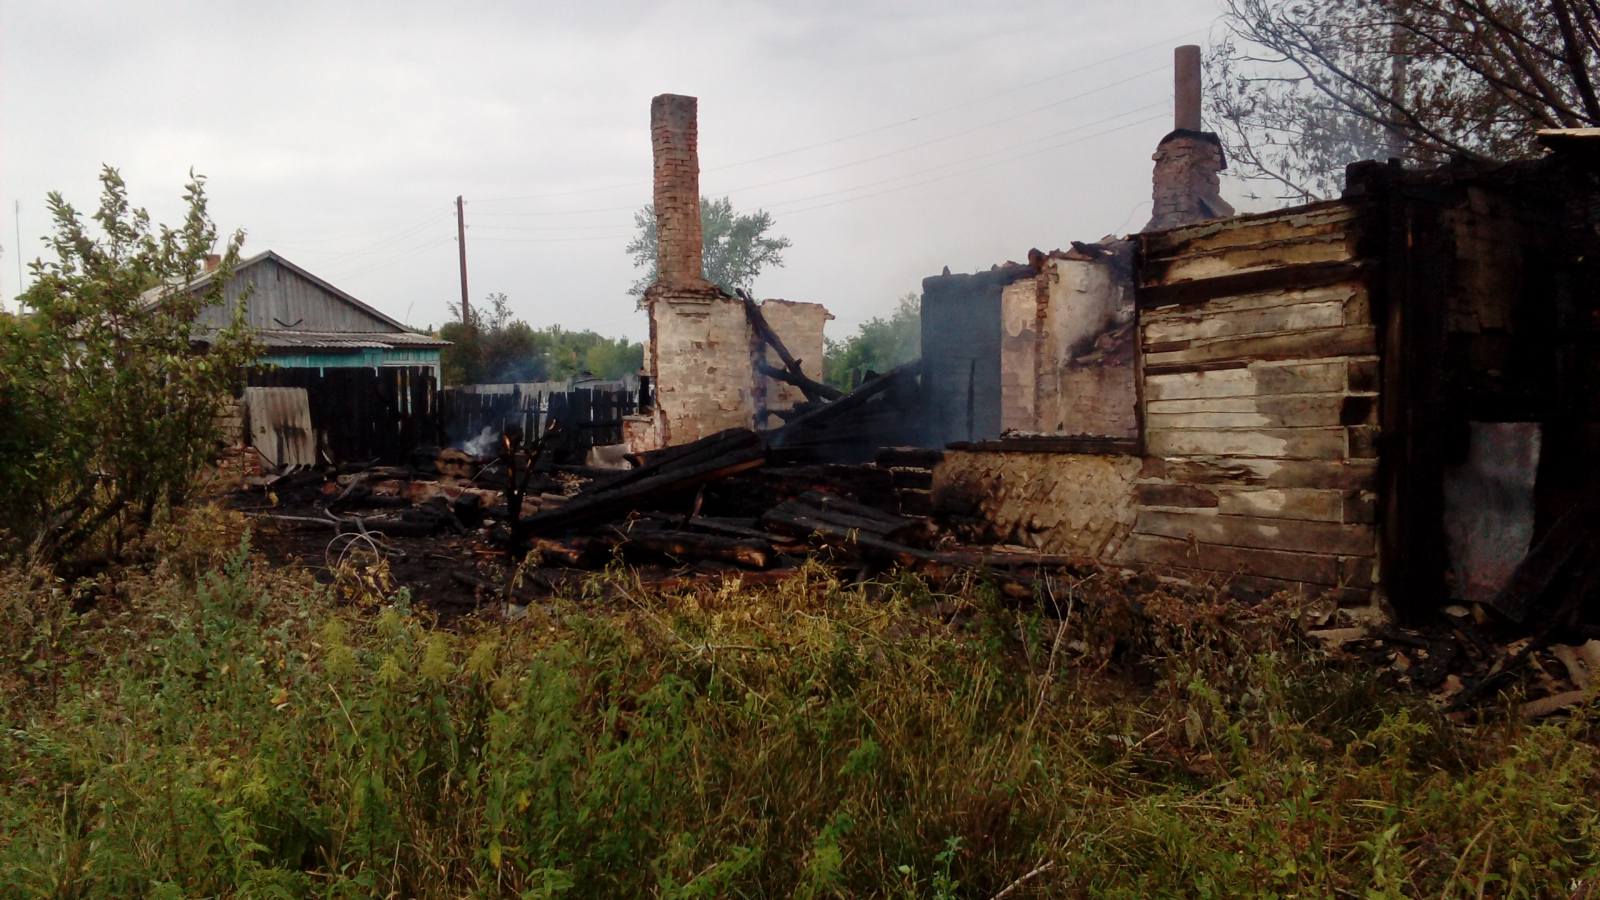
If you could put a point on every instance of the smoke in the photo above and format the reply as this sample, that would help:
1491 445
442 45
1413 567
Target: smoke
484 444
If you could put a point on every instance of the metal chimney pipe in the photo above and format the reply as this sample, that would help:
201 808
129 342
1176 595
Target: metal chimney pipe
1186 88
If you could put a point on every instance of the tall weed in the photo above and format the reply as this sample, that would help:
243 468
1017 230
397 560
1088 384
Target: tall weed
232 730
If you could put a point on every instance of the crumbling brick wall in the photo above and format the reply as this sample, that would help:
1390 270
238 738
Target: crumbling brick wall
1019 352
1043 348
800 327
700 357
1086 348
703 352
1185 186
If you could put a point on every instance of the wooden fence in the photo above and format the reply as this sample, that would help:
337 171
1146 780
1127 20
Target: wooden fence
361 414
364 414
586 417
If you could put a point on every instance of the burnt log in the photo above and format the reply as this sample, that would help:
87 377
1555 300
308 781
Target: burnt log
814 390
578 552
614 501
689 545
655 462
791 372
822 416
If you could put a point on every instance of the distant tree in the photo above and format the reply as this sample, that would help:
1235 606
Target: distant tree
878 346
109 391
500 348
497 348
613 358
1298 89
737 247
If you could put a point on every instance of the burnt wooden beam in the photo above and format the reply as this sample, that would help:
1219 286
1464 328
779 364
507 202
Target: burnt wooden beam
615 501
820 415
1092 445
752 553
814 390
1320 343
1256 281
684 455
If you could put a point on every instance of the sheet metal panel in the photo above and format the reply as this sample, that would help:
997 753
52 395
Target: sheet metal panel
279 421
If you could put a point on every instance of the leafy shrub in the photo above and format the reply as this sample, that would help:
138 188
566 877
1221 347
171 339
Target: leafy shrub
107 407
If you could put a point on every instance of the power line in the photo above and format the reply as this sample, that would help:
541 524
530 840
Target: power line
953 135
977 168
566 238
556 240
391 257
850 164
364 250
868 131
777 205
564 230
544 228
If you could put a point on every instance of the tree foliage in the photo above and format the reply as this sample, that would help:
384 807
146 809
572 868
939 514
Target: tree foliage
500 348
1298 89
109 391
878 346
737 247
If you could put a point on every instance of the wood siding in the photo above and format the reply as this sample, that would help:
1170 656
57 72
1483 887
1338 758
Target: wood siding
281 299
1259 403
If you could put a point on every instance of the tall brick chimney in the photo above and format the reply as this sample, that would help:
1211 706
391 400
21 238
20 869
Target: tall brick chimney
1185 187
675 143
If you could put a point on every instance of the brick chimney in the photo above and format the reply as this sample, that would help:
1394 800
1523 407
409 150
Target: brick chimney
675 143
212 262
1185 187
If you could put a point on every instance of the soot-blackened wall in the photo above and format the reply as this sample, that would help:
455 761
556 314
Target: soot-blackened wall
962 337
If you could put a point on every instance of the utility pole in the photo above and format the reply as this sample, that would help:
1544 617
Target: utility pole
17 234
461 246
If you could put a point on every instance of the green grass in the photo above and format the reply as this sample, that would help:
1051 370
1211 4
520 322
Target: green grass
219 727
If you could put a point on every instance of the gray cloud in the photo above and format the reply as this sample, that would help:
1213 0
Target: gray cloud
339 134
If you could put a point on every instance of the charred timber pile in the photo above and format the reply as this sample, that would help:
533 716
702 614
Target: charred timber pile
759 504
667 476
884 411
661 512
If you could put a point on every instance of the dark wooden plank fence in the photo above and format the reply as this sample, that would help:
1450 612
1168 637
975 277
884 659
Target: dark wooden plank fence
587 417
362 414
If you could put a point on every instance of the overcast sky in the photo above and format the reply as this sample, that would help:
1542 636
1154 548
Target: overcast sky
888 139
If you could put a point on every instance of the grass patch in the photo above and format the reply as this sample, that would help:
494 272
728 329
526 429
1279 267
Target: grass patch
219 727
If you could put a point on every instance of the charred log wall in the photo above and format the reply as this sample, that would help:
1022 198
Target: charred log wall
1259 402
1490 327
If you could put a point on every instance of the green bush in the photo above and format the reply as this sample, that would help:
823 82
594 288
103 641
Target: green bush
108 401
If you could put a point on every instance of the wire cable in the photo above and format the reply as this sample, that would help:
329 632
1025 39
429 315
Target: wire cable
867 131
